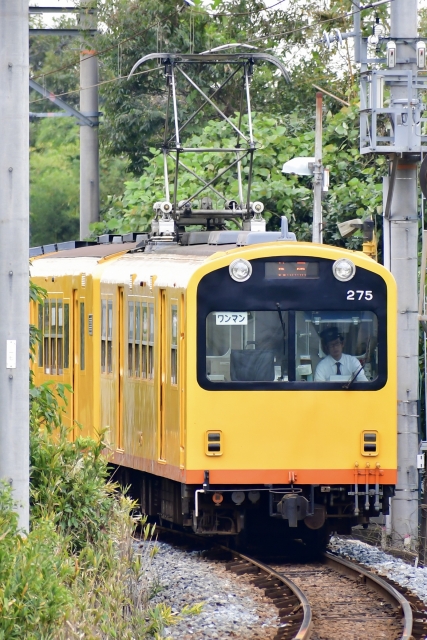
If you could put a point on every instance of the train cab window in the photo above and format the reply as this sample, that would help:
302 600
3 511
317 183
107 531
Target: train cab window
54 326
246 346
150 365
174 344
336 346
131 331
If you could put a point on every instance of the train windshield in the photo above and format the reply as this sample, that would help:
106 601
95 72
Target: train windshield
292 346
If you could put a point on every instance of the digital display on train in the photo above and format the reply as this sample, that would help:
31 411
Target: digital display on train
283 270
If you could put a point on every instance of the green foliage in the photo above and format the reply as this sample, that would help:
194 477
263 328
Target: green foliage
355 189
77 574
55 180
35 572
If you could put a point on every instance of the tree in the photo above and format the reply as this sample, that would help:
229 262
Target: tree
356 190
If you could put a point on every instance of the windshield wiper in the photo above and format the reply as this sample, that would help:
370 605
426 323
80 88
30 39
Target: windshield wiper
368 353
279 311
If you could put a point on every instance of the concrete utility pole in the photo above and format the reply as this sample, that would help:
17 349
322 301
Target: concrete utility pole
89 148
318 173
14 241
403 229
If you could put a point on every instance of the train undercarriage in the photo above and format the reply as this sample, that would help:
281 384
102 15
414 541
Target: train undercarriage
307 512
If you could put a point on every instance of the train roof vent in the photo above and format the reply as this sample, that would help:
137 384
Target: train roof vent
108 238
195 237
36 251
74 244
49 248
223 237
134 236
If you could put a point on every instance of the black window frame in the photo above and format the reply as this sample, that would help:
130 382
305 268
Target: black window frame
218 291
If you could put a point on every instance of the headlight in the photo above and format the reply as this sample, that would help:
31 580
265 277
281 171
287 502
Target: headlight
240 270
344 269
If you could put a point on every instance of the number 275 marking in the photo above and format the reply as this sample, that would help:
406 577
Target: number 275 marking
359 295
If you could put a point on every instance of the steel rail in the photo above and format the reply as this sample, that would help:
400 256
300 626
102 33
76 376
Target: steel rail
306 627
373 581
376 583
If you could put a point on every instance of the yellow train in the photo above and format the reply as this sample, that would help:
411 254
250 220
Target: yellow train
212 364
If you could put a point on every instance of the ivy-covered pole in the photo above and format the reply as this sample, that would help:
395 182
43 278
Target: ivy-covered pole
14 242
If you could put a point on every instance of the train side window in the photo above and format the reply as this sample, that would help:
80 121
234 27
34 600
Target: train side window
103 335
137 339
53 317
109 336
174 344
66 335
131 331
144 340
40 328
60 338
151 341
46 336
82 336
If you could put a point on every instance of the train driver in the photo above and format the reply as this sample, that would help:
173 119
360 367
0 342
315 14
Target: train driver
337 363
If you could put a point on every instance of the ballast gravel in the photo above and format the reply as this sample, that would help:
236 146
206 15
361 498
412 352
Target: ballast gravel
233 607
413 578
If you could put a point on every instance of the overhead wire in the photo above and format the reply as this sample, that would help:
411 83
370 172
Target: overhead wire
98 84
230 14
155 24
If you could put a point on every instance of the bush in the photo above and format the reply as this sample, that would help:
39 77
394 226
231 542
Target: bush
35 572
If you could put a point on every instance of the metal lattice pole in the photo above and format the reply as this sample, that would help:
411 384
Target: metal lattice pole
14 241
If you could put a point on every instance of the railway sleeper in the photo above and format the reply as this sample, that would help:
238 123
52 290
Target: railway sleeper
283 603
280 591
293 617
243 570
264 583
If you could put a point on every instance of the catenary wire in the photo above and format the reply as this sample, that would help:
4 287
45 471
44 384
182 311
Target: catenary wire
134 35
67 93
151 26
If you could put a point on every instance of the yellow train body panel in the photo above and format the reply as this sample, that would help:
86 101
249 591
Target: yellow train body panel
137 319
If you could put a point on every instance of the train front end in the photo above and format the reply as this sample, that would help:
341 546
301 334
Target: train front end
276 432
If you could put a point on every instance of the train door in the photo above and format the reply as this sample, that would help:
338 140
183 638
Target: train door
120 367
162 374
75 323
180 382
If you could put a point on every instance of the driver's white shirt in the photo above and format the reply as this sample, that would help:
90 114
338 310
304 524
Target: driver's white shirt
349 366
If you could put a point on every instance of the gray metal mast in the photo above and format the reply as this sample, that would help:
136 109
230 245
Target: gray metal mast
89 148
14 240
318 174
404 261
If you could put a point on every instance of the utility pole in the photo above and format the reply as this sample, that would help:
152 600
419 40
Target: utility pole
14 240
89 148
403 230
318 173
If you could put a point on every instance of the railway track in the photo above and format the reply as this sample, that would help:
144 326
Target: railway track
335 599
331 599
